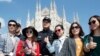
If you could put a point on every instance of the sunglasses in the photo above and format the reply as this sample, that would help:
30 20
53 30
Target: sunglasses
29 31
76 27
11 25
58 30
92 22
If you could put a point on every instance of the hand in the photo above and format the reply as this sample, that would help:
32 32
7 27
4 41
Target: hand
46 39
34 53
28 51
92 45
21 51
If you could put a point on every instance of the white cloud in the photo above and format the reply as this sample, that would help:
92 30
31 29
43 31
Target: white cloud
5 0
2 22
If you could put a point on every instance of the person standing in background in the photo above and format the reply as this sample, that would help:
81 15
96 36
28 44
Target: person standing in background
44 33
18 32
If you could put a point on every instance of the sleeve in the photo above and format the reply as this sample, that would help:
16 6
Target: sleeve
51 47
38 50
19 51
1 43
86 49
86 40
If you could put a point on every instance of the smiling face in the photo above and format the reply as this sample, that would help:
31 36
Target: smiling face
46 24
29 33
12 26
75 29
59 31
94 24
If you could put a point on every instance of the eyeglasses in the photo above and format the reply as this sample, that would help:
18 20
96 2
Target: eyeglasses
11 25
29 31
58 30
76 27
92 22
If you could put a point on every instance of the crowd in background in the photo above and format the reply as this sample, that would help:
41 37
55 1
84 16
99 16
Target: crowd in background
29 42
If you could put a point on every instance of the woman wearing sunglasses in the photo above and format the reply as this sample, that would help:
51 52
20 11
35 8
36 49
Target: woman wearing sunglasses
58 43
73 45
29 47
92 40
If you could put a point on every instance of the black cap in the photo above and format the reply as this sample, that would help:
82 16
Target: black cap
47 19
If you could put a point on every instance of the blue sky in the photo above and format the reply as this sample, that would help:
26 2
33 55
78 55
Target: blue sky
18 9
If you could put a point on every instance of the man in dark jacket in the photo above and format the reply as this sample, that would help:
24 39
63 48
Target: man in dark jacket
44 33
18 32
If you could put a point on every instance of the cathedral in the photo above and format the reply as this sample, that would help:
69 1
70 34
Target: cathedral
52 14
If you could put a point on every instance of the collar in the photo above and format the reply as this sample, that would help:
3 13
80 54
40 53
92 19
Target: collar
11 35
62 37
46 30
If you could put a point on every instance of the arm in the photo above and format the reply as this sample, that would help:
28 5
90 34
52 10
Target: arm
20 50
86 43
51 47
1 44
38 50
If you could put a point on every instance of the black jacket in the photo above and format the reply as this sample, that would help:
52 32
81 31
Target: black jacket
41 36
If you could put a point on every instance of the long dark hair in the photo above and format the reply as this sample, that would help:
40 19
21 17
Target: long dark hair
81 33
35 33
98 19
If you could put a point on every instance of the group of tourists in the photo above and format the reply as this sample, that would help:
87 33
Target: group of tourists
30 42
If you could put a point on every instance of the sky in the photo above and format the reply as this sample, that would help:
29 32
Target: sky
18 9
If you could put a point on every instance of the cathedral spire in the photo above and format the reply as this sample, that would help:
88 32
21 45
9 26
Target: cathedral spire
37 9
76 17
64 14
51 5
54 5
39 5
39 12
28 19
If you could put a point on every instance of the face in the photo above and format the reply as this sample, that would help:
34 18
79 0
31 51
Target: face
94 24
59 32
75 29
46 24
18 30
12 26
29 33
